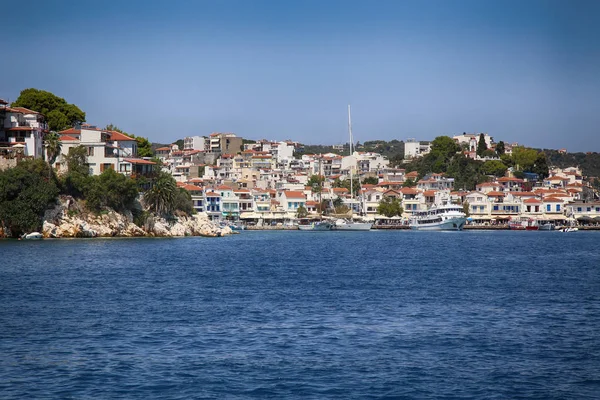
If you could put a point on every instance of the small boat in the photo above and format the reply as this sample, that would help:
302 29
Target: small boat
350 225
548 226
320 225
32 236
569 229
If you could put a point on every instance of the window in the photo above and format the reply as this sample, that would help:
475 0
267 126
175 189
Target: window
495 208
474 208
558 207
548 207
589 209
578 209
90 151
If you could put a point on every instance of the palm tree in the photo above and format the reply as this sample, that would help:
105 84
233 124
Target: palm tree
53 148
161 197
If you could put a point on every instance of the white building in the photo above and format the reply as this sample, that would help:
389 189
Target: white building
414 148
194 143
22 130
105 149
472 140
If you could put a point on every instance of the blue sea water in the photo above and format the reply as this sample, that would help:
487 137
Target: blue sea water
315 315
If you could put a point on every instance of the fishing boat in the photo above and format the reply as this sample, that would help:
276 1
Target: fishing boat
312 225
446 217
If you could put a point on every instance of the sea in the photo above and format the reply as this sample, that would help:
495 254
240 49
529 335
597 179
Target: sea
307 315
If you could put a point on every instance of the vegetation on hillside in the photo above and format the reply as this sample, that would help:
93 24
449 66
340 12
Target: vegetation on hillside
59 114
31 187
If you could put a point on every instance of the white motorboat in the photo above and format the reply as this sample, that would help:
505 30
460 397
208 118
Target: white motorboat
548 226
32 236
448 217
315 226
351 225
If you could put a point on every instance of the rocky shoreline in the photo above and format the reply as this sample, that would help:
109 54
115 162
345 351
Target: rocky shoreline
68 219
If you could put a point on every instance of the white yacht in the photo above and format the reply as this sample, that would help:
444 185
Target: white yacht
351 225
448 217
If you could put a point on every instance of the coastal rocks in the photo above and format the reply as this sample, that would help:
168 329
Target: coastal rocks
69 219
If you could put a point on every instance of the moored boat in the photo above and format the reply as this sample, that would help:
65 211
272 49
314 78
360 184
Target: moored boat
315 225
32 236
351 225
448 217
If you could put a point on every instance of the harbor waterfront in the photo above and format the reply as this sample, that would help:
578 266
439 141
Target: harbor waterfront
313 315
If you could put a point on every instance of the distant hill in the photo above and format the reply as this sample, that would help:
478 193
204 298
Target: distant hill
588 162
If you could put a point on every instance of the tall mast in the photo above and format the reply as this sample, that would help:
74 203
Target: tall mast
351 165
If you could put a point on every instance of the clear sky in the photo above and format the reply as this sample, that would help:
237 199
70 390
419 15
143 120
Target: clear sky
525 71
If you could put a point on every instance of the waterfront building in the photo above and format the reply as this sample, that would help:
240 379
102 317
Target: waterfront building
21 132
415 149
104 150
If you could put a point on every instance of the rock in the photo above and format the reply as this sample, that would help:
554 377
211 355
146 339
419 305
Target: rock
68 218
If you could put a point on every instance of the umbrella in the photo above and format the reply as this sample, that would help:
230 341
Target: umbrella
585 218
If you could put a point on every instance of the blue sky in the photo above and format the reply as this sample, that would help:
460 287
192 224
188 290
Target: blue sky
522 71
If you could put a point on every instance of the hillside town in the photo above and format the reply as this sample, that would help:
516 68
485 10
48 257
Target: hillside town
268 183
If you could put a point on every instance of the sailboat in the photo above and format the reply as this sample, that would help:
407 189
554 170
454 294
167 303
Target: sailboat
349 224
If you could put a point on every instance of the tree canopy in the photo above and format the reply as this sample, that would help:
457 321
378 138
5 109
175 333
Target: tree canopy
390 207
481 145
26 191
59 114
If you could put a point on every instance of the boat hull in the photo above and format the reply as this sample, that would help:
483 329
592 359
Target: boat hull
315 227
355 226
453 224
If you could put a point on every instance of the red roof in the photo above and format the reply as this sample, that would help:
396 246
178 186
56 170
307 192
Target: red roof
66 138
21 128
191 188
70 131
163 149
212 194
293 195
532 201
139 161
118 136
429 193
223 187
408 190
23 110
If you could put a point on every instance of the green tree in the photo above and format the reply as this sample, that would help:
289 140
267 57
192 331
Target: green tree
161 197
540 166
466 208
183 202
301 212
76 179
370 180
524 158
111 189
316 183
25 193
409 183
390 207
59 114
494 167
500 148
481 145
53 148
